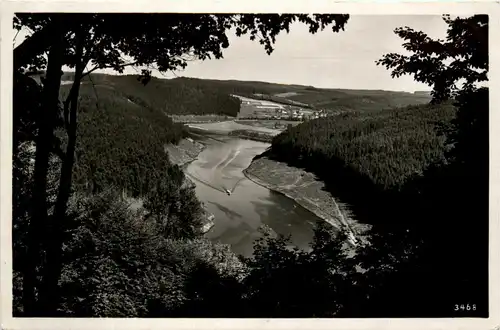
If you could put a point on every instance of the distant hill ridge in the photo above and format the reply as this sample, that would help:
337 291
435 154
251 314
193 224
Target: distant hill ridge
185 92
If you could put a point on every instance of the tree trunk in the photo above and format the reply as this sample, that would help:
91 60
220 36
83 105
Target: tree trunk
46 119
40 41
49 295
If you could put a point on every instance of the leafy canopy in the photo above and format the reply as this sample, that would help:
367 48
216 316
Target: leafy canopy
165 41
463 56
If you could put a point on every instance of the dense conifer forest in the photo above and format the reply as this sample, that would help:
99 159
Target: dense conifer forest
121 143
80 249
171 96
420 172
310 97
387 146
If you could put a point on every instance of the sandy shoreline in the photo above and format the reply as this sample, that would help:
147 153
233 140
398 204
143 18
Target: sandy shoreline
277 189
305 189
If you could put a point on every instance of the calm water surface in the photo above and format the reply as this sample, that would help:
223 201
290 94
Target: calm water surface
239 216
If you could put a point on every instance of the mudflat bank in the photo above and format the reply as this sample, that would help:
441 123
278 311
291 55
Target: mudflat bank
252 135
305 189
184 152
225 127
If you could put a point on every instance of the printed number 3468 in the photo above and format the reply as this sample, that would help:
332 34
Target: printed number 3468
465 307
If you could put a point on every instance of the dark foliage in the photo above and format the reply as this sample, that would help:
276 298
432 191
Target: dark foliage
465 48
107 260
119 264
454 193
286 282
166 42
426 192
174 206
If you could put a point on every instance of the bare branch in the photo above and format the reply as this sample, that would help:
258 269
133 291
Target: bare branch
97 67
14 41
95 93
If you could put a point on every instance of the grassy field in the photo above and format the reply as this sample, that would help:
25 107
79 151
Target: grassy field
251 111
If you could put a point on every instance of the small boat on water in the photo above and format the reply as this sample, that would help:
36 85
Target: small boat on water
228 192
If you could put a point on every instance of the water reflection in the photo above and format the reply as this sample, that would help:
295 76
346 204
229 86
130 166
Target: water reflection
239 216
229 213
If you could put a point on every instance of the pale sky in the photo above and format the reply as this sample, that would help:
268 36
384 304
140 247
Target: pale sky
330 60
326 59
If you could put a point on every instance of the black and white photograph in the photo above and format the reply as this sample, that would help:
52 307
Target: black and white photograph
247 165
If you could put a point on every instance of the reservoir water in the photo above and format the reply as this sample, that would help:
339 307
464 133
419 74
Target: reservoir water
239 215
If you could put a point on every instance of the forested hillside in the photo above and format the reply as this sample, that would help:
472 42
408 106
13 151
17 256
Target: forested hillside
81 250
370 160
121 143
421 172
308 96
172 96
360 100
386 147
393 169
206 96
124 126
138 260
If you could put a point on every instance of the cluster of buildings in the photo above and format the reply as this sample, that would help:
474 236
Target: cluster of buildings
298 114
272 110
